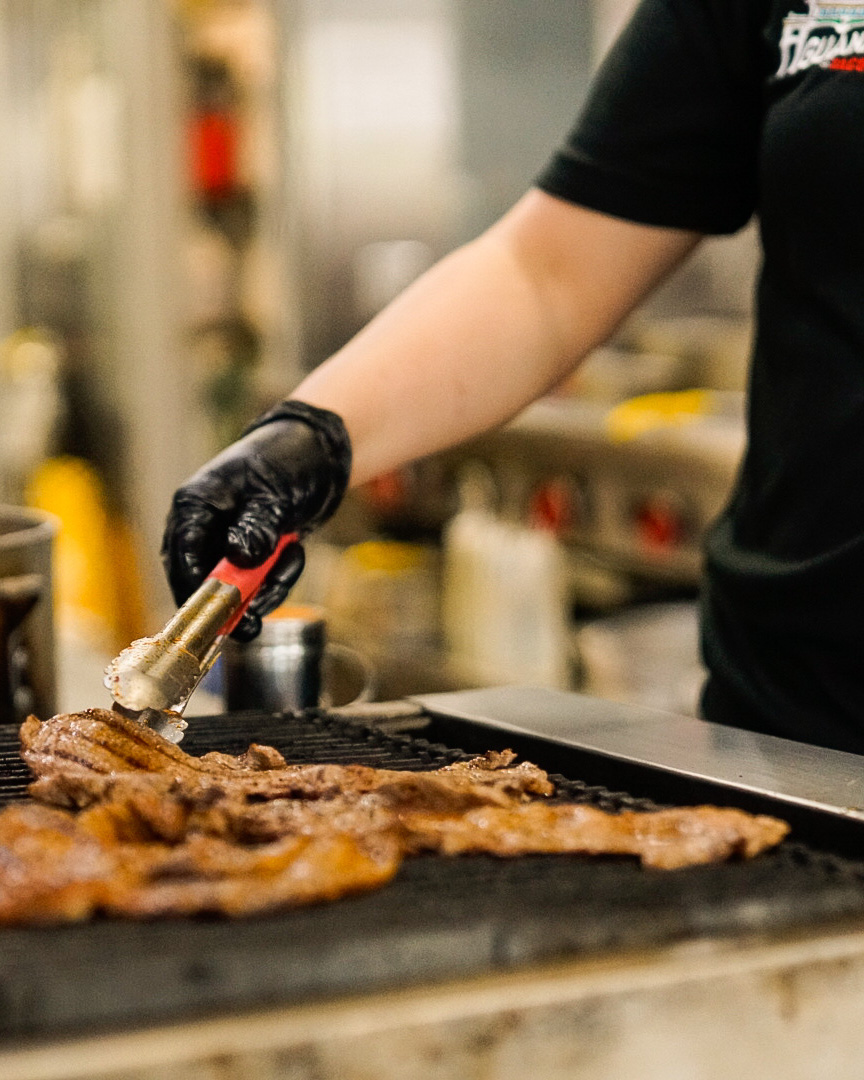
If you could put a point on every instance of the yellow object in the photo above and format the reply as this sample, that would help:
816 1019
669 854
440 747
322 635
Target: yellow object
97 586
307 612
641 415
382 596
386 556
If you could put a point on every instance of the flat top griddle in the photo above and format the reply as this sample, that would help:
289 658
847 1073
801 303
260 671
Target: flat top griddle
440 918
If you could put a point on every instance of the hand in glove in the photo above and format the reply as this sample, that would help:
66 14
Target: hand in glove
287 473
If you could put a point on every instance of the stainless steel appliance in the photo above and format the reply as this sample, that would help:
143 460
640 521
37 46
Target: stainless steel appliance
27 662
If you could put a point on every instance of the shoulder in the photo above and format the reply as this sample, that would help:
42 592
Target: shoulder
724 42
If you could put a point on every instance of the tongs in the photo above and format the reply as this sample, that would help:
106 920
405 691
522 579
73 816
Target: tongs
152 679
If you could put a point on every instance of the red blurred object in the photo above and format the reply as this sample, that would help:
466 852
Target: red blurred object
552 507
388 493
213 140
660 524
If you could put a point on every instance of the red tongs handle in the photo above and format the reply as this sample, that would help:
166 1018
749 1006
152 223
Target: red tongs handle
247 581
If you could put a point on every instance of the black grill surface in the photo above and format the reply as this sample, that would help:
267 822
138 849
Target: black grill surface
439 918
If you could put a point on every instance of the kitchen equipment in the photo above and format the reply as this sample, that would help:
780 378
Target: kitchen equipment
641 504
154 677
281 669
27 661
440 918
646 654
382 596
291 665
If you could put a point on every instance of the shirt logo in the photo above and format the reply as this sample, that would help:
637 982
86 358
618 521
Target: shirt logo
830 35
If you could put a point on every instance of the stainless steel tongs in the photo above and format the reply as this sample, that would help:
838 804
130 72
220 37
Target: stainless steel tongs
152 679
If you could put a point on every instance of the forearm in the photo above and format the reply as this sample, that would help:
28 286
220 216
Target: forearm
461 350
489 329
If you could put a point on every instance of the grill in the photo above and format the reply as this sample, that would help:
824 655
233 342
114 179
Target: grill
439 918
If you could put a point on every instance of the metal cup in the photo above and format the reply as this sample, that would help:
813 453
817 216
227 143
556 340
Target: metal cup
291 666
280 671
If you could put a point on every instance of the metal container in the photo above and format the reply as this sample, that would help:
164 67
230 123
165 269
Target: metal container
27 660
280 671
292 666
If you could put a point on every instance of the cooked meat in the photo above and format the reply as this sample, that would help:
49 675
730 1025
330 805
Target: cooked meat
56 866
50 869
215 876
139 828
663 839
80 757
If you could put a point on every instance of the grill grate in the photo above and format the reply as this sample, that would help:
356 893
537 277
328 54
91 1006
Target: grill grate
439 918
321 738
317 739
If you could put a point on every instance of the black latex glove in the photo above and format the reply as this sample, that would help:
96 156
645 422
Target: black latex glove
287 473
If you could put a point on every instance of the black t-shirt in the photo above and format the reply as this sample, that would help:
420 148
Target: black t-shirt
704 113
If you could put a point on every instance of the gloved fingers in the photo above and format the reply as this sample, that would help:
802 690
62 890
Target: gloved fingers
192 544
254 535
279 582
248 628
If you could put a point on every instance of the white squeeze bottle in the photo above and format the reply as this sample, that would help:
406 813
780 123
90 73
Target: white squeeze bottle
536 615
465 598
530 616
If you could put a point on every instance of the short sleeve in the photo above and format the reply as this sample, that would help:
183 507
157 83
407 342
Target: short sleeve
669 135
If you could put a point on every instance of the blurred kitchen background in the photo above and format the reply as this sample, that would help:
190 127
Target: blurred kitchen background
201 199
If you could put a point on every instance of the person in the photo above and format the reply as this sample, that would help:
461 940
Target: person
703 114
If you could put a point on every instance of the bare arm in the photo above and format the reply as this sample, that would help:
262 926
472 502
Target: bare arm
467 346
490 328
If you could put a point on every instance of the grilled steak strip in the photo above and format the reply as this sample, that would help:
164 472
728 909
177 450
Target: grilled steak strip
56 866
79 758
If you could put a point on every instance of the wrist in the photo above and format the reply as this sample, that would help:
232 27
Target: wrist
333 440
